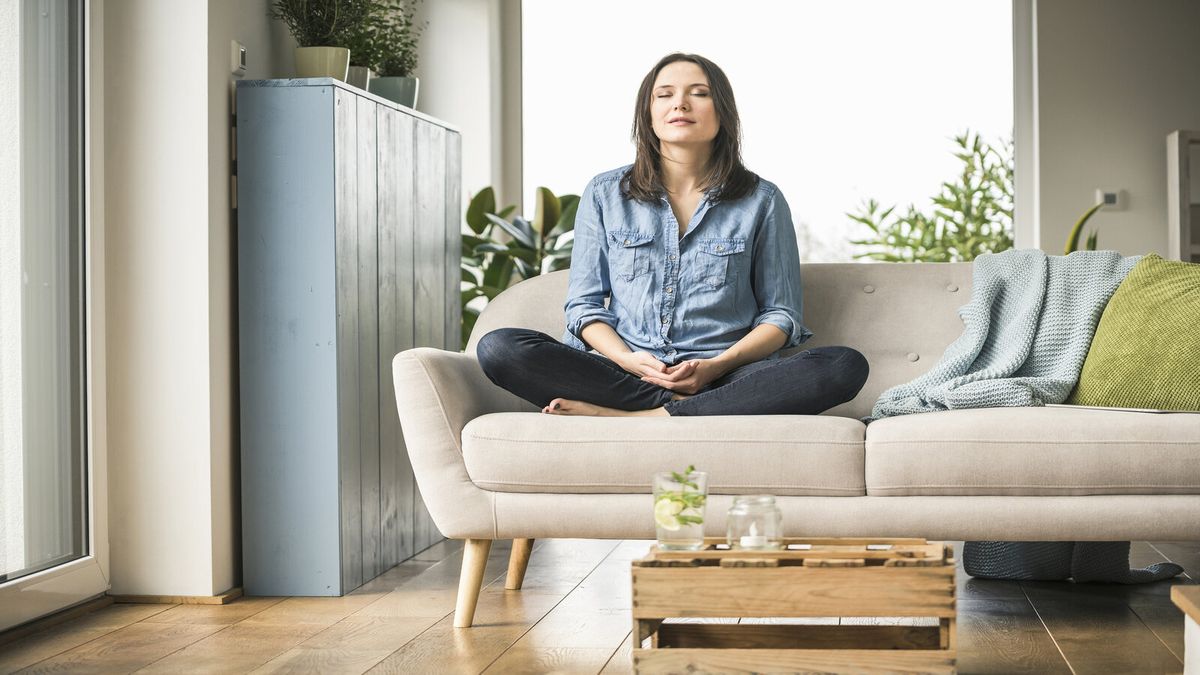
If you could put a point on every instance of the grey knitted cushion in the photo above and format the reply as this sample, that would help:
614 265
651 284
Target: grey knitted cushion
1059 560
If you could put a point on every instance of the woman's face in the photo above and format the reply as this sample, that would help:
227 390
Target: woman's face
681 107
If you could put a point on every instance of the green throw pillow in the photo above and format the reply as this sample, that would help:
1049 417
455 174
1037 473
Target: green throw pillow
1146 350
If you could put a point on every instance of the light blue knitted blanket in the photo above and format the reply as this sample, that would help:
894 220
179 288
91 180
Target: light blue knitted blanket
1027 330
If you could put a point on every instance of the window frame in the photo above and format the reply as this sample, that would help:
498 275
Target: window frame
35 595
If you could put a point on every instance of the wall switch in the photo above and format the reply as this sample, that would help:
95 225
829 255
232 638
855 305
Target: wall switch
237 58
1113 200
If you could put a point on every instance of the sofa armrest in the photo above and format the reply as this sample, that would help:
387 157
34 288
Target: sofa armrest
437 393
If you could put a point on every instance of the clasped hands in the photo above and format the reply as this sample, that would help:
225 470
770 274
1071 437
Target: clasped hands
687 377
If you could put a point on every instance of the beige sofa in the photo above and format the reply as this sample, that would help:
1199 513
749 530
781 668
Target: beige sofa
490 466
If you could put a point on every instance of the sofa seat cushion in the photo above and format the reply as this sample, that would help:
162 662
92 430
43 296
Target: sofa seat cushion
775 454
1053 450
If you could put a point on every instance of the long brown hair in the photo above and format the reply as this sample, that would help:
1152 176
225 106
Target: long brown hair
725 171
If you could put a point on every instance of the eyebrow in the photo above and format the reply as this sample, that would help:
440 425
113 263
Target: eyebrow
694 84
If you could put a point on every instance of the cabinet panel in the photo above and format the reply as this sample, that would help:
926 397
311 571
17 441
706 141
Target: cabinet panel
368 339
396 208
348 254
429 269
286 298
346 257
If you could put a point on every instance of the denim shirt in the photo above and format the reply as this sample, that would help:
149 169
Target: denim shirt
678 298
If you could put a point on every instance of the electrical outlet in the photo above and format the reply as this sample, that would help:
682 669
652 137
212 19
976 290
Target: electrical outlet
237 58
1113 200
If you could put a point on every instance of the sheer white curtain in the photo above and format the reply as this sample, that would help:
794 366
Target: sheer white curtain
43 513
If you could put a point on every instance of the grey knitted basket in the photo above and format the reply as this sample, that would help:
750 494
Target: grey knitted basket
1060 560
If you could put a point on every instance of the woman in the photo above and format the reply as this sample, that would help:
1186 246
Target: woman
698 259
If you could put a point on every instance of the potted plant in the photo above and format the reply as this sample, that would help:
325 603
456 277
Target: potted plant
498 251
318 26
397 44
363 39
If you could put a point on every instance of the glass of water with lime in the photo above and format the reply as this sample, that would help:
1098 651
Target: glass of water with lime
679 499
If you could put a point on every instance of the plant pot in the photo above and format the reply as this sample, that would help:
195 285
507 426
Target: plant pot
359 76
322 62
402 90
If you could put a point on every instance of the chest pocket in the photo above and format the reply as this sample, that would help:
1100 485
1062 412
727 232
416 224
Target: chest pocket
717 260
629 253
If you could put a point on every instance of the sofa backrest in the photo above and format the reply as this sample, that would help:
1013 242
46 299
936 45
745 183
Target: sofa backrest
901 316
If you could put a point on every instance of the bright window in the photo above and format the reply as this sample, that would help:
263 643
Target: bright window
43 517
840 101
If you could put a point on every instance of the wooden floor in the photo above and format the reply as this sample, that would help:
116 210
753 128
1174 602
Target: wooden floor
573 616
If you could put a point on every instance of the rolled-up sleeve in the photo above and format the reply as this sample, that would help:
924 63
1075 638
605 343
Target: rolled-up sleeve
589 282
776 277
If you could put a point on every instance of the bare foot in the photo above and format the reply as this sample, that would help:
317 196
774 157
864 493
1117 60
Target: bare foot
566 406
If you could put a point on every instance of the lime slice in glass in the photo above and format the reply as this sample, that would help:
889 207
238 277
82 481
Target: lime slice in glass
664 513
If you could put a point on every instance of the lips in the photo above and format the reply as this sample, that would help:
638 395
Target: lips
680 120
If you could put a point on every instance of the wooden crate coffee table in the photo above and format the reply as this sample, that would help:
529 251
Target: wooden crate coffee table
811 578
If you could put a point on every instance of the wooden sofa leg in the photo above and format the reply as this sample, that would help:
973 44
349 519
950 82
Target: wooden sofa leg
518 560
475 556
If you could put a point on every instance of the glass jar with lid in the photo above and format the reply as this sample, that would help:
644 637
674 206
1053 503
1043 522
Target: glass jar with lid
755 523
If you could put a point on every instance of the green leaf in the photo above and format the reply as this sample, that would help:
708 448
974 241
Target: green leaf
566 221
470 294
469 317
482 203
1073 238
546 211
519 229
523 254
471 240
499 273
491 247
524 269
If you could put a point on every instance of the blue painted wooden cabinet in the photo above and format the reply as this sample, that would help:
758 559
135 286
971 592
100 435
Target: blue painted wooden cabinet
348 252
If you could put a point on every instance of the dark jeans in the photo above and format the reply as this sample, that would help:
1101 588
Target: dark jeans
539 368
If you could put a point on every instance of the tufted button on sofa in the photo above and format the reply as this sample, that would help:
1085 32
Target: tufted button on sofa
490 466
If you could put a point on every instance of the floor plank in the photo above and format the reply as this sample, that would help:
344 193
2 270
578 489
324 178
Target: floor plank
1186 553
501 618
1099 633
238 610
65 636
573 616
1005 636
581 633
621 662
127 649
239 648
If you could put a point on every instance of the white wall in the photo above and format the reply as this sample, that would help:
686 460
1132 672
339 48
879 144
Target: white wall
171 316
1114 78
12 491
455 68
156 215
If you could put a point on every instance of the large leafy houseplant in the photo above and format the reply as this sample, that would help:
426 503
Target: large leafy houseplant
971 215
499 250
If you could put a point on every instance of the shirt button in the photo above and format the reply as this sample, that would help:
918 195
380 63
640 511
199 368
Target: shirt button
669 289
666 320
671 257
720 248
626 242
